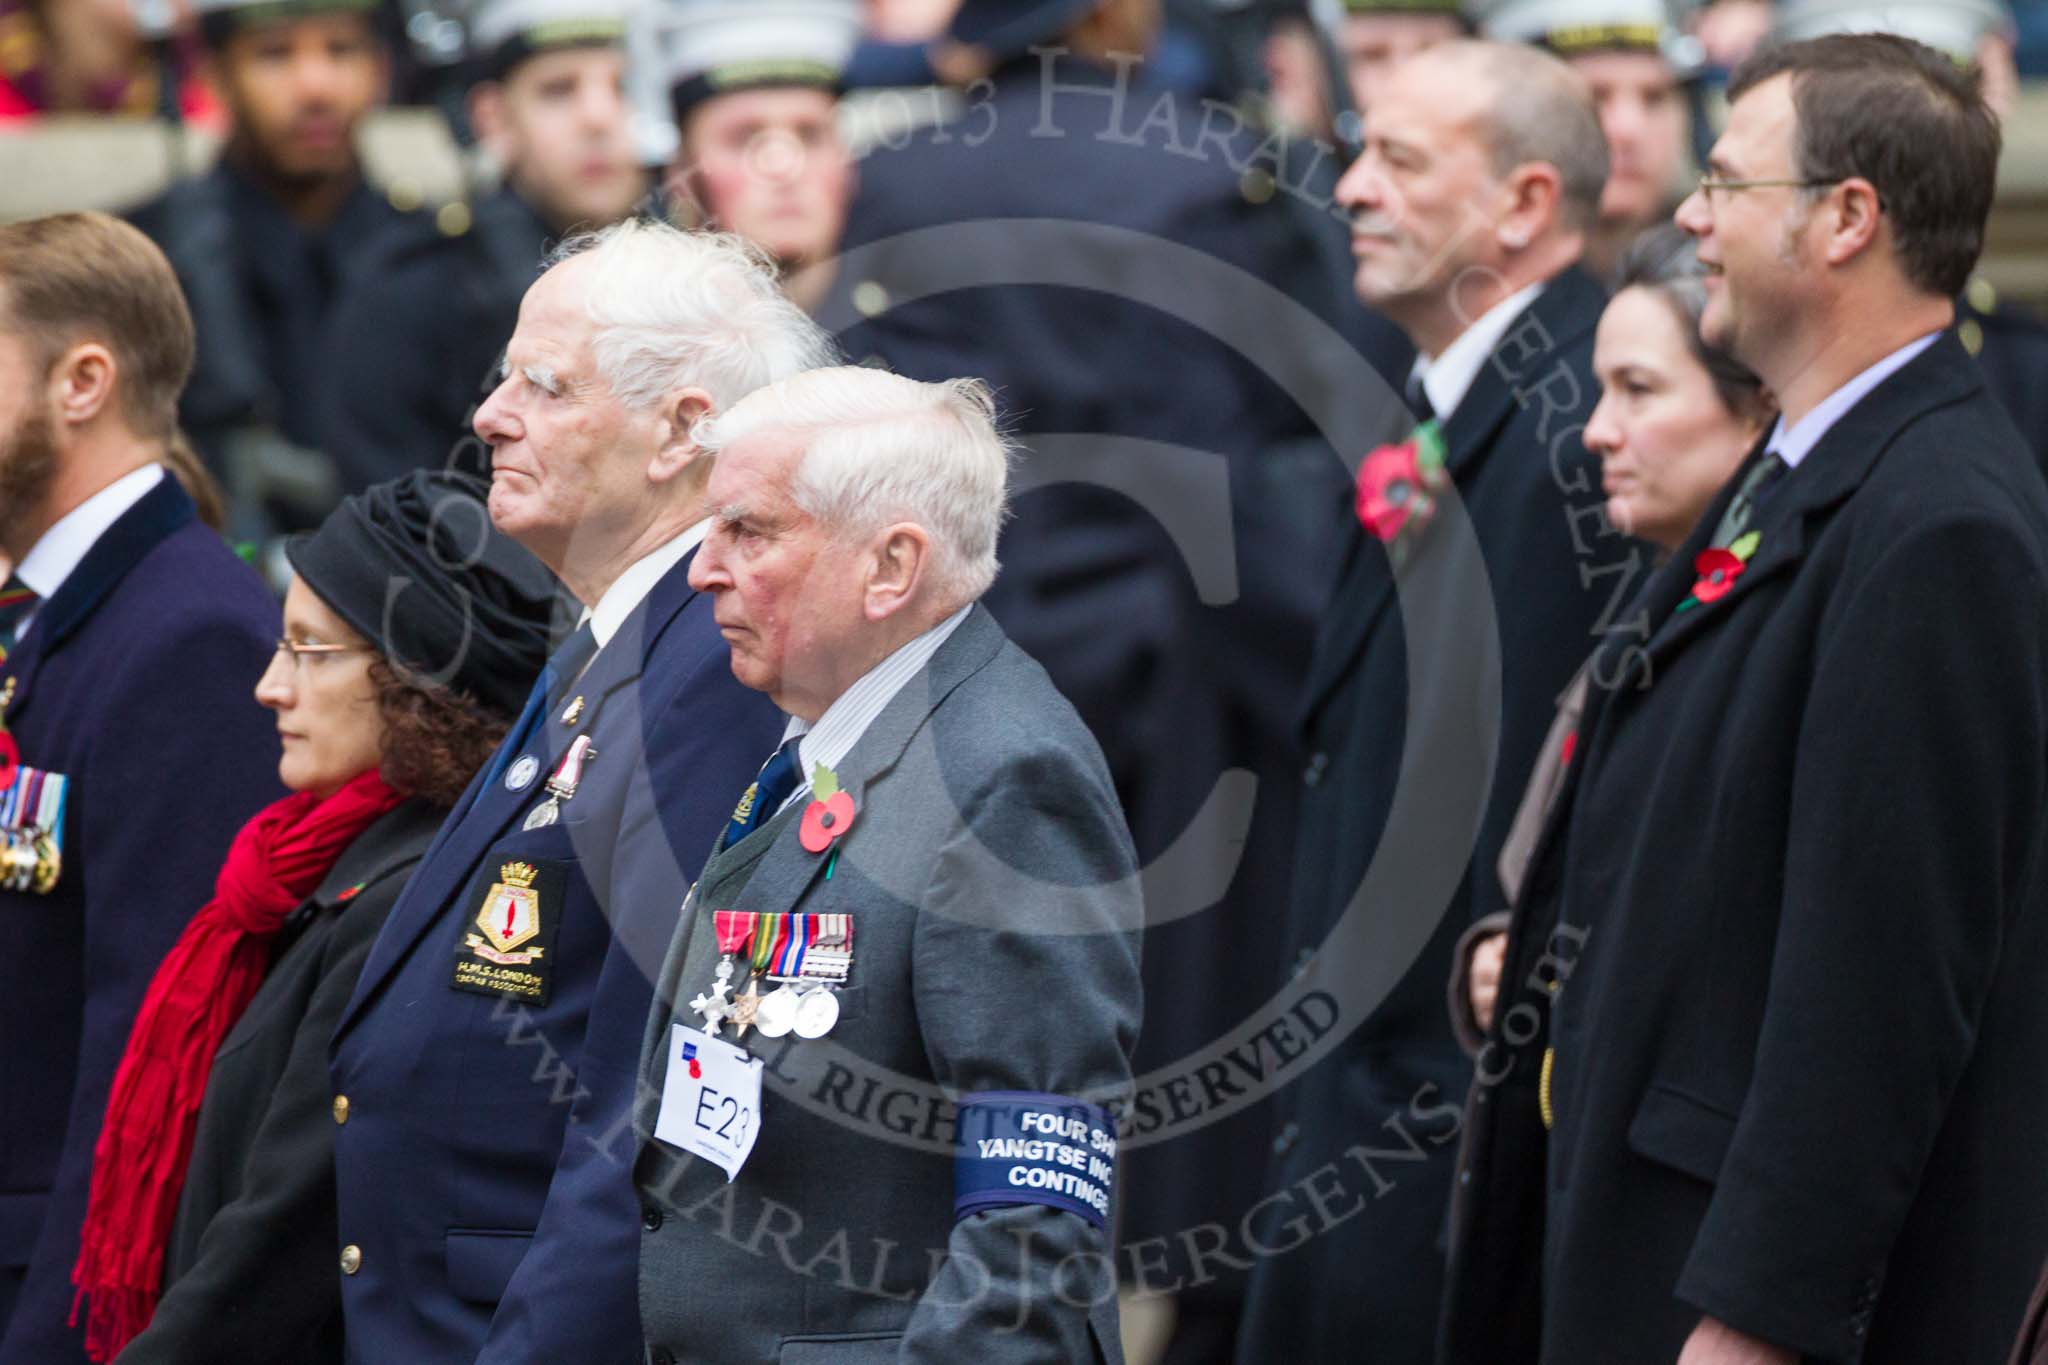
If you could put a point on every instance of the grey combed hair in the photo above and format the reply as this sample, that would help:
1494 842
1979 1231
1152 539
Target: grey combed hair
1541 110
676 309
879 449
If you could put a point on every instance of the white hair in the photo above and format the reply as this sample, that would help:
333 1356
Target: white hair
676 309
879 448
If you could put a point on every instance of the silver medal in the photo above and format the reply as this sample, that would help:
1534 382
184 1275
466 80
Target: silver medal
778 1012
543 815
816 1013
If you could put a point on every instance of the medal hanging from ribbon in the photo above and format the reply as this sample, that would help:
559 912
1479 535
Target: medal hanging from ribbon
770 932
825 967
734 928
777 1015
562 786
31 817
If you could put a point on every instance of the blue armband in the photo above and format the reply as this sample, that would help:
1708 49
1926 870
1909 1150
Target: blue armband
1021 1147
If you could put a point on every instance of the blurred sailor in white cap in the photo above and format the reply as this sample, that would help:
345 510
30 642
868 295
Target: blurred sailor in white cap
1634 59
753 87
1375 36
548 106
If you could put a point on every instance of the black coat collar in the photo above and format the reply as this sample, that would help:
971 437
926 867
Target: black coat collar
1516 374
1833 470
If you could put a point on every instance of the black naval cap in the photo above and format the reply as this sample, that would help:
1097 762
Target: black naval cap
504 33
416 568
220 18
1007 28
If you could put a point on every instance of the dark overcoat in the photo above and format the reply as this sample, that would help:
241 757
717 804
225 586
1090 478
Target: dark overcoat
249 1278
1431 693
1801 854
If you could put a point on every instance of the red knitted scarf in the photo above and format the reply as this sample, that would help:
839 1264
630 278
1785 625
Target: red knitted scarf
198 993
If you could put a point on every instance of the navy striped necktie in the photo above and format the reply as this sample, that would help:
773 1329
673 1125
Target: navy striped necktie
777 780
17 600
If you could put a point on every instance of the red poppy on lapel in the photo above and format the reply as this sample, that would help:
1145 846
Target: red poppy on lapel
1398 487
829 815
1718 570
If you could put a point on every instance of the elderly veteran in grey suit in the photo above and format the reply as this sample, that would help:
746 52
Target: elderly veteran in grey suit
903 995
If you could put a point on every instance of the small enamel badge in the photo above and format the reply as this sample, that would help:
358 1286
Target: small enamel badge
521 774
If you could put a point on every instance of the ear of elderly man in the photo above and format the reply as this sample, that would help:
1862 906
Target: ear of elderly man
776 605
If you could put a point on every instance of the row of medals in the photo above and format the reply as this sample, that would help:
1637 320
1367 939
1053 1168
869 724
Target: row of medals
28 861
803 1006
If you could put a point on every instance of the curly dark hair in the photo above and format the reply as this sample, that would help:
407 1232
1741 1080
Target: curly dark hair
435 738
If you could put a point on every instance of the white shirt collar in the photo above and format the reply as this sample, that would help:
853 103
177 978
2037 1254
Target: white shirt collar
1795 445
848 718
630 587
1448 377
56 556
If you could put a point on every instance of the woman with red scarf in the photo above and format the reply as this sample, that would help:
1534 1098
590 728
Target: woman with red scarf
413 633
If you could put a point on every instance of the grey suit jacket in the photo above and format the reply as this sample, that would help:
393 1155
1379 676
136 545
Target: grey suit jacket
993 891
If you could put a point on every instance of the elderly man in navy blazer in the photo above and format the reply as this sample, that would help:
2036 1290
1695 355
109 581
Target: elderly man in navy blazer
1792 1081
483 1071
131 744
904 993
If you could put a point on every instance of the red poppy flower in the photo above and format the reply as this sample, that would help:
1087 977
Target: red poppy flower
1389 486
1718 570
10 760
824 821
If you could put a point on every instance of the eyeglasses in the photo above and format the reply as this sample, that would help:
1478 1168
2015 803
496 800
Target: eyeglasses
1708 185
300 652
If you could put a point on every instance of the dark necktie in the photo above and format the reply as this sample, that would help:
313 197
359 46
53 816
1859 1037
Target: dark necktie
17 600
1417 394
563 667
1756 485
777 780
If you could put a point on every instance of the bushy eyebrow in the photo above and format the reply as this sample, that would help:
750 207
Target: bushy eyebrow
731 513
542 377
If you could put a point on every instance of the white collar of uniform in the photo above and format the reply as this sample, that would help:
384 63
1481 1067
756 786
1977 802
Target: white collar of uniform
848 718
1795 445
630 587
54 557
1447 378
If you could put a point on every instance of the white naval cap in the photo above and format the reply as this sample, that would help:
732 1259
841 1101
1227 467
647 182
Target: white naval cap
1570 28
687 51
1951 26
504 33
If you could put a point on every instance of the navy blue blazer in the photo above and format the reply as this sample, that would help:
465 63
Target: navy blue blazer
484 1169
136 680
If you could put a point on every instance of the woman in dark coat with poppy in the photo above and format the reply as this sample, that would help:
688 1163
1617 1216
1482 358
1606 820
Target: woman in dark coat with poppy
413 633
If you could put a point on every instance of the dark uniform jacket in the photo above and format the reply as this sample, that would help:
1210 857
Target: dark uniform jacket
2010 346
1804 845
484 1175
135 680
1426 705
441 309
263 291
250 1276
988 877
